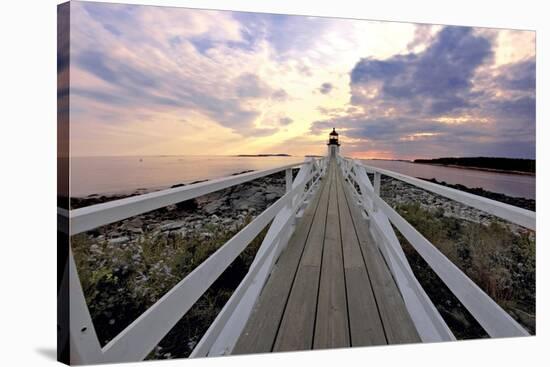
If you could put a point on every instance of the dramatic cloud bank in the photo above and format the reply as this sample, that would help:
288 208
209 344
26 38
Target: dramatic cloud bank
158 80
449 99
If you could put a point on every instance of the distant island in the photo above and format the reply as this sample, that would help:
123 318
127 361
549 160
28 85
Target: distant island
508 165
387 159
264 155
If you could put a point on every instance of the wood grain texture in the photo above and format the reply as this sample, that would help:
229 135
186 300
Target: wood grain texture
331 324
364 318
261 329
297 326
331 287
393 313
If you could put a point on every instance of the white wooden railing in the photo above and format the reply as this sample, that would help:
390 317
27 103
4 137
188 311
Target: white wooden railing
429 323
137 340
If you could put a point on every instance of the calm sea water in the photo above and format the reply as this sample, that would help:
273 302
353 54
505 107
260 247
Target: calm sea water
508 184
109 175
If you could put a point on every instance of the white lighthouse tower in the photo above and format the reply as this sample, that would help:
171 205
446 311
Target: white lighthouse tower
333 144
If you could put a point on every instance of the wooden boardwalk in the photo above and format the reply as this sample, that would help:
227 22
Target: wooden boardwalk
330 288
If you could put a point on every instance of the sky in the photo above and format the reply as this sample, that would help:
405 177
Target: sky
149 80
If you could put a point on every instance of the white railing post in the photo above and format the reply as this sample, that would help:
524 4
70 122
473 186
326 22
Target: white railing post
495 321
377 183
140 337
376 190
427 320
84 344
224 332
288 181
514 214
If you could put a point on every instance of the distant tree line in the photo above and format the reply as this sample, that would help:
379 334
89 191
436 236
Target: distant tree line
504 164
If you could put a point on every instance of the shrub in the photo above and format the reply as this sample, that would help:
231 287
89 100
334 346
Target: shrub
120 281
499 261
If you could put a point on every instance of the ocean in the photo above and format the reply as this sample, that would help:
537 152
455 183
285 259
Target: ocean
117 175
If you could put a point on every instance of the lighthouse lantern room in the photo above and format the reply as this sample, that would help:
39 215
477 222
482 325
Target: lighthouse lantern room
333 143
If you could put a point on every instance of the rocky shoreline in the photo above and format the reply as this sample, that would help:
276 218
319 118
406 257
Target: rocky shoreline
229 208
396 193
127 266
529 204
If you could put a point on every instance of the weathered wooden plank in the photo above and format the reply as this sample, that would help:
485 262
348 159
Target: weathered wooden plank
297 326
331 324
364 319
396 320
261 329
428 322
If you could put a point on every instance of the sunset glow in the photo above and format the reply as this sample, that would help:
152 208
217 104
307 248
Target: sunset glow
149 80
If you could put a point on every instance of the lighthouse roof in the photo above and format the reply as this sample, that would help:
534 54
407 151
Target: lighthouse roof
333 132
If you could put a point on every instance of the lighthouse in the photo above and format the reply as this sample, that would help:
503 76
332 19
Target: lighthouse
333 144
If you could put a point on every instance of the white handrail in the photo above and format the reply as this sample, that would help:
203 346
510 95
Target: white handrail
90 217
520 216
141 336
428 321
224 332
495 321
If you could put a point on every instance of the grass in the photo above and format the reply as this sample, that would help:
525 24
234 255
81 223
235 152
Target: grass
121 281
499 261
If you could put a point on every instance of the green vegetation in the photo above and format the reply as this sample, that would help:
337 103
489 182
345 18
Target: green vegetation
499 261
120 281
500 164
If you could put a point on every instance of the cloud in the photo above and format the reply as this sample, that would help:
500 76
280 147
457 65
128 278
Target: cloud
287 34
422 36
440 101
519 76
326 88
280 95
437 80
414 138
285 121
122 69
196 74
251 86
132 86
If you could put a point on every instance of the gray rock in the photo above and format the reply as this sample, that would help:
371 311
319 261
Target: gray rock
213 207
136 222
172 226
118 240
135 230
